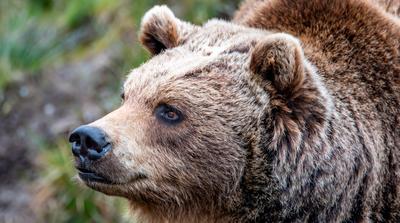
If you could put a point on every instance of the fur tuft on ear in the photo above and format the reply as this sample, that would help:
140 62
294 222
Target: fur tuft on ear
159 29
279 59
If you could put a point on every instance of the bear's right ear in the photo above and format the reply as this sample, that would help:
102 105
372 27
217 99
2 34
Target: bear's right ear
279 59
161 30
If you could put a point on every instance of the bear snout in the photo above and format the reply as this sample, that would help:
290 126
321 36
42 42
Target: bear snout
89 143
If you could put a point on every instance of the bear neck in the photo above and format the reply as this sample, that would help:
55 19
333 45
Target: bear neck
294 128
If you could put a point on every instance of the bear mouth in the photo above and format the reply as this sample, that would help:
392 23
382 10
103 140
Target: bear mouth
90 176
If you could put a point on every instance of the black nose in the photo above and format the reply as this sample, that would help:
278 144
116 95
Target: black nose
89 142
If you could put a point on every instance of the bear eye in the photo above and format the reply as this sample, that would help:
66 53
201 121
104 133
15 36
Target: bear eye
168 114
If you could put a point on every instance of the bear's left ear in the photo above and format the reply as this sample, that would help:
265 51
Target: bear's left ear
161 30
279 59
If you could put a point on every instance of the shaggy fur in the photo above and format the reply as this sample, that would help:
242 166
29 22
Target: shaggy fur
299 123
355 48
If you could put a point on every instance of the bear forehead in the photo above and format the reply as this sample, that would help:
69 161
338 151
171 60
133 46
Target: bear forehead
217 49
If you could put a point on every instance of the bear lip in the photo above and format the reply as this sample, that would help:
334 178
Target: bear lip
90 176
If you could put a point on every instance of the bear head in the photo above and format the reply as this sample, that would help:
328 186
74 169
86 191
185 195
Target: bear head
204 121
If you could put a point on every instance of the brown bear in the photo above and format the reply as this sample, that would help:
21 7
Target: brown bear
289 113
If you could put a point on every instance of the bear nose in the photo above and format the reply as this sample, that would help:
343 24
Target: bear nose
89 142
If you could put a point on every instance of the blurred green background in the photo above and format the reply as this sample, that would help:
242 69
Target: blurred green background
62 63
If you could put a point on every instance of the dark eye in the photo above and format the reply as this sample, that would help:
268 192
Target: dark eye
122 96
168 114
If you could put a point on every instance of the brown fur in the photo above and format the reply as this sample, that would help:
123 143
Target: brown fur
299 123
391 6
356 50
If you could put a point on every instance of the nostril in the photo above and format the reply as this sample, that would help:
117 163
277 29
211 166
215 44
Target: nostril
74 137
75 140
91 144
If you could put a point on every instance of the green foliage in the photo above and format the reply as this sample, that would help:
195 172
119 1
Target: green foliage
205 9
78 12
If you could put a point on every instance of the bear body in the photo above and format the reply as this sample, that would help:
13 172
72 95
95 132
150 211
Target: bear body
289 113
355 48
